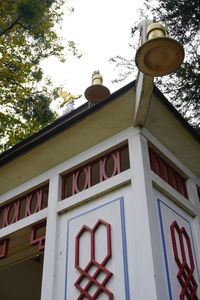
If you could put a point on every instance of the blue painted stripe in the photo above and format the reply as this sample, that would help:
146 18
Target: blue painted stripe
164 251
173 210
66 261
194 253
164 244
190 233
124 245
93 209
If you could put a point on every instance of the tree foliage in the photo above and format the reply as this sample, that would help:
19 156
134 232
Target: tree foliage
181 19
27 36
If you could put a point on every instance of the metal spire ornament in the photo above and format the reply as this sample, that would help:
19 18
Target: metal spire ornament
158 55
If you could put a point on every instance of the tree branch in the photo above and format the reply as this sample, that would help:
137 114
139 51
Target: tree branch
10 26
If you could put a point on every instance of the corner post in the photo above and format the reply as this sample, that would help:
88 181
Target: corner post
144 86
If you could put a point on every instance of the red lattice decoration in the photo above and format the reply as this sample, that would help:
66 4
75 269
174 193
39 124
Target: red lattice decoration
100 267
35 239
4 248
185 262
167 173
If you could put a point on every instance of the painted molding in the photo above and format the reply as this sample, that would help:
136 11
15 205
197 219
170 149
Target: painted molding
160 205
124 246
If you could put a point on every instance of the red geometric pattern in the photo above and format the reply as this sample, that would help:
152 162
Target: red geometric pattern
35 239
38 202
4 245
15 206
116 168
92 280
167 173
75 178
23 206
185 262
97 170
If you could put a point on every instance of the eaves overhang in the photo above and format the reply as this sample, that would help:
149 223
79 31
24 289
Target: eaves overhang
159 95
67 121
59 125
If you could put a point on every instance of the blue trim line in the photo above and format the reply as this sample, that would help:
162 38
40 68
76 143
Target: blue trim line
159 202
165 251
66 260
124 245
93 209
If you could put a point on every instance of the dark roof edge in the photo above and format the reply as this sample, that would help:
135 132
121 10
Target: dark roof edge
68 120
159 95
59 125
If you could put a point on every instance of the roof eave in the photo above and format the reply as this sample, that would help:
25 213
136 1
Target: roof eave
59 125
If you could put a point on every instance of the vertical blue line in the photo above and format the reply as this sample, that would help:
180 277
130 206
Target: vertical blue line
124 247
66 270
164 250
193 245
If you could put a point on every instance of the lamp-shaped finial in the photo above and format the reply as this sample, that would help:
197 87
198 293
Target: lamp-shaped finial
96 92
159 55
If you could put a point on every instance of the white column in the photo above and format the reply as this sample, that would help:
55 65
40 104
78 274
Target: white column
142 273
192 192
194 199
50 243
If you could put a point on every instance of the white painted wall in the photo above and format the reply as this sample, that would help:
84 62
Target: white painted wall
128 202
111 208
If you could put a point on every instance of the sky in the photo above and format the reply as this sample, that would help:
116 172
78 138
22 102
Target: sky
101 30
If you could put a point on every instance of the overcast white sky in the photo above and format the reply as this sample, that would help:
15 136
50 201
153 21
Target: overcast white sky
101 30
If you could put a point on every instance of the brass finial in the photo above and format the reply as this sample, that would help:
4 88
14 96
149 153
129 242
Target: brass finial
96 92
159 55
97 78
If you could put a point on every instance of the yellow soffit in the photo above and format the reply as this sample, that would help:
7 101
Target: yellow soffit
107 121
